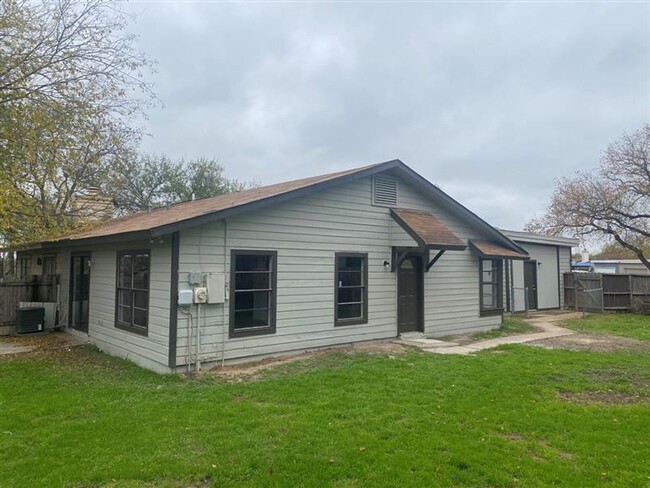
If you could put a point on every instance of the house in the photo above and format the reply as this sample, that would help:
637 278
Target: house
365 254
619 266
538 281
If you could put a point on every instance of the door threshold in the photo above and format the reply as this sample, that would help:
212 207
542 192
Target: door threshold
412 335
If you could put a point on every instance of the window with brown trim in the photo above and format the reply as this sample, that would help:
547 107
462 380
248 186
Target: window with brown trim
132 291
252 292
491 286
351 289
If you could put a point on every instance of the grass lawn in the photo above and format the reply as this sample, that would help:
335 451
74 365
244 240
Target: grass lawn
516 416
621 324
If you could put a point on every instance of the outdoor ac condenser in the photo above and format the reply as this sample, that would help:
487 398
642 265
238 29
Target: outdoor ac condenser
30 320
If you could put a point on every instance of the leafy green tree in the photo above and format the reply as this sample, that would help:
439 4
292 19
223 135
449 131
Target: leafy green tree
152 181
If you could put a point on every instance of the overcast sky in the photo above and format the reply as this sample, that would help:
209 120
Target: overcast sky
489 101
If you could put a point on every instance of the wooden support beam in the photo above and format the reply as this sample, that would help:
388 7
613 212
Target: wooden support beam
435 258
400 259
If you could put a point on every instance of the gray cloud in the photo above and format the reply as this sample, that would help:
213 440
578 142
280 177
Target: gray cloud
489 101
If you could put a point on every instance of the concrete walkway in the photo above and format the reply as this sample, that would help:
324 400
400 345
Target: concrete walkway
544 321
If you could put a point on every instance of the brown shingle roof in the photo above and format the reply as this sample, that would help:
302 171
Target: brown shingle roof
427 230
493 250
162 217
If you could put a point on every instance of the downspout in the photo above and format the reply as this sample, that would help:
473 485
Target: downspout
198 339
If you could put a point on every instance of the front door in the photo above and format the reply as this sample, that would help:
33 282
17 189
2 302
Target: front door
409 295
79 291
530 282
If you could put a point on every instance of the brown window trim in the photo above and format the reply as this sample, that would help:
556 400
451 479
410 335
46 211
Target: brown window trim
253 331
355 321
491 311
143 331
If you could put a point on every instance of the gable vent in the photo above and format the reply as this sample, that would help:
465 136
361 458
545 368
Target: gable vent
384 191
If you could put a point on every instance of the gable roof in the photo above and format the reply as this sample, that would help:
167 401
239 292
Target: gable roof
162 221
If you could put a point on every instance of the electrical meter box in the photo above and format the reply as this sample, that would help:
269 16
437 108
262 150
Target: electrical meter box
200 294
185 297
216 287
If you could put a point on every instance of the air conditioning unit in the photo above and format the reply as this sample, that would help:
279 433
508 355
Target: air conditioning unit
30 320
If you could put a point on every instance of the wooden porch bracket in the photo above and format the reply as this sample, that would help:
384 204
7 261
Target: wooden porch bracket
435 258
397 262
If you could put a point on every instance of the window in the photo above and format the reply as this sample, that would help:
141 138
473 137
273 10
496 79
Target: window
491 290
132 302
252 292
24 268
351 275
49 265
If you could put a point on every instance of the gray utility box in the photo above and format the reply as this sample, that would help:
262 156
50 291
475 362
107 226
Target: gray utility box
30 320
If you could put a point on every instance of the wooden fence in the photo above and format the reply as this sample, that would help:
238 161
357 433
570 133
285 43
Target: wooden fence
12 293
595 292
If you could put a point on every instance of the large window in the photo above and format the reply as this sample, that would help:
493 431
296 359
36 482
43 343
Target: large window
491 290
252 292
351 287
132 302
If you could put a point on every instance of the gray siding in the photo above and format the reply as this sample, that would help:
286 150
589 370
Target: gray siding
451 287
565 267
306 233
548 278
150 351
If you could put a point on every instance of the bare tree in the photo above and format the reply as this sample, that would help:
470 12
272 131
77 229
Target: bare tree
609 204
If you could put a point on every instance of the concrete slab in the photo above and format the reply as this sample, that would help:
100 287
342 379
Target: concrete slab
544 322
426 343
9 348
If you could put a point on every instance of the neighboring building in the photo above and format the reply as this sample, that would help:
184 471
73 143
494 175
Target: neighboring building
619 266
365 254
541 276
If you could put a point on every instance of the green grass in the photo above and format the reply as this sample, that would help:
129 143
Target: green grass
498 418
512 325
621 324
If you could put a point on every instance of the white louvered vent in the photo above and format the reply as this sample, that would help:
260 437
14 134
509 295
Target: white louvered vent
384 191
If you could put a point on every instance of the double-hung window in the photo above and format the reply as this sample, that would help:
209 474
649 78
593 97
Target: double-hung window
351 289
252 292
491 286
132 291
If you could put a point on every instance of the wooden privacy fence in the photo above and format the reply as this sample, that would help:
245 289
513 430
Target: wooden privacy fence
595 292
13 293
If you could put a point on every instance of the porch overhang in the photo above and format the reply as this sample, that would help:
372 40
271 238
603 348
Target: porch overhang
426 230
492 250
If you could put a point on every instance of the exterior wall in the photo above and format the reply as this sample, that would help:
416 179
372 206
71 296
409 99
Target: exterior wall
549 275
565 267
306 233
150 351
451 287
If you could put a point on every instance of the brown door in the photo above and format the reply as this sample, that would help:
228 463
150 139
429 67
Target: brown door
530 282
409 295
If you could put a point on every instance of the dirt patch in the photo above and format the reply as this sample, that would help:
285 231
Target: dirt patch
591 342
538 447
42 344
602 397
252 370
